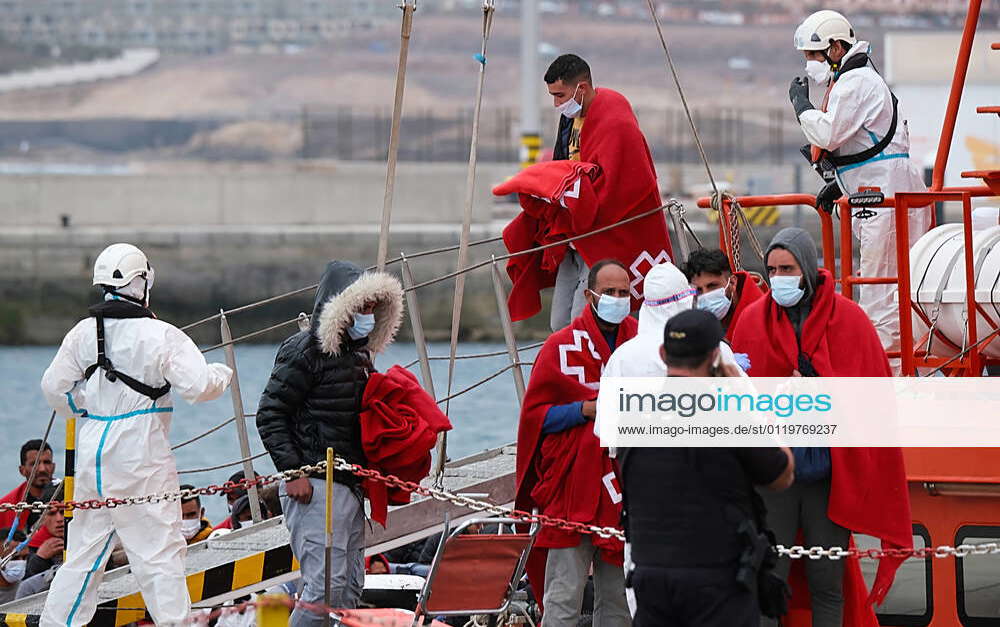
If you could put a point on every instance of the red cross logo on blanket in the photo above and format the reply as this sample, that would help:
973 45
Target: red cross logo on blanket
611 485
573 192
575 365
638 273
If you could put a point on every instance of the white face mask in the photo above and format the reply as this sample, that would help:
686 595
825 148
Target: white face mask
363 325
818 71
715 302
571 108
13 571
190 527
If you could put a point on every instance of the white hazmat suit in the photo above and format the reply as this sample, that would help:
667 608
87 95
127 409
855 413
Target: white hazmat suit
858 115
123 450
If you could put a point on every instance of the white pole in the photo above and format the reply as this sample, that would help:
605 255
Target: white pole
531 81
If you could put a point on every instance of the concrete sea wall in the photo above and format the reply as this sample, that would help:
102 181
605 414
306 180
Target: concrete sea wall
221 236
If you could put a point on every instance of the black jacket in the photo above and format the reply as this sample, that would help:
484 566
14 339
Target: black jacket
683 506
313 398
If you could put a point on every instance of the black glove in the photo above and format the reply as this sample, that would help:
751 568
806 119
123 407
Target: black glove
798 94
828 196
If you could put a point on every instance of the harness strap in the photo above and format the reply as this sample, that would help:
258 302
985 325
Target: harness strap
855 63
114 375
877 149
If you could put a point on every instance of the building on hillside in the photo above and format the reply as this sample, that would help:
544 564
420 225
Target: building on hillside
198 26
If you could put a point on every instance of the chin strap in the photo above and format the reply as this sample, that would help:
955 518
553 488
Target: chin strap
143 302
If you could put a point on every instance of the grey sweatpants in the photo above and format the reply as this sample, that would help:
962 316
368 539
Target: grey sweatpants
804 507
307 524
566 573
568 294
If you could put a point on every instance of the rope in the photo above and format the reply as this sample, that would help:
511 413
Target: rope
489 7
252 335
680 92
716 194
209 432
478 383
408 7
221 466
451 275
476 355
536 249
309 288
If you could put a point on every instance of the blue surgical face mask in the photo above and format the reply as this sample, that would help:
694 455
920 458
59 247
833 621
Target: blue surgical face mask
363 325
715 302
785 290
613 309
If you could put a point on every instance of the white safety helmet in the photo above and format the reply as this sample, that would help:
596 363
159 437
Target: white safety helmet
118 264
821 29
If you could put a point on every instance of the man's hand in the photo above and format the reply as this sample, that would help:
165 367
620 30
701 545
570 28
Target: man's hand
589 410
798 94
50 548
299 490
827 197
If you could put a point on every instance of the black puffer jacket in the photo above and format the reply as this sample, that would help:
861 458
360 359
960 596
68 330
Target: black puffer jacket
313 398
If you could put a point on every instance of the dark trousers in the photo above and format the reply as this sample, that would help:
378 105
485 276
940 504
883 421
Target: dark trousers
692 597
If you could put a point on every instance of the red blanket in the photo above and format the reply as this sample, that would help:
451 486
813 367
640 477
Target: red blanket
613 180
749 292
400 423
568 474
868 489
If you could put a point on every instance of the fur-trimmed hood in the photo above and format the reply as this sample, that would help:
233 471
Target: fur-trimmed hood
342 292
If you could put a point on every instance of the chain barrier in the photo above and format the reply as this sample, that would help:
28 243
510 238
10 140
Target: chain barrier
39 507
836 553
485 507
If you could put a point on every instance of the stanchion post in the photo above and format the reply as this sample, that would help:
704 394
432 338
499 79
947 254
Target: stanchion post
241 425
846 251
420 340
975 367
70 473
329 534
901 214
408 7
508 331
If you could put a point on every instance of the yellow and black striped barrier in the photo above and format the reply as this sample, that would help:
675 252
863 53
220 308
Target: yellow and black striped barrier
758 216
204 585
20 620
531 144
68 479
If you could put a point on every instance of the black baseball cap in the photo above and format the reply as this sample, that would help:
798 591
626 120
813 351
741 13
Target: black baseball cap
691 333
